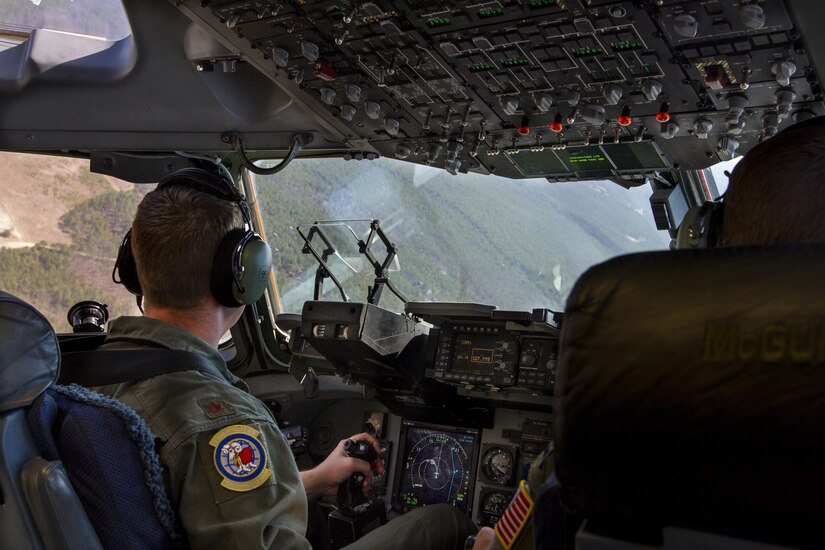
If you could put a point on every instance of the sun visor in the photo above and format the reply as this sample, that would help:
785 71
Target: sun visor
691 389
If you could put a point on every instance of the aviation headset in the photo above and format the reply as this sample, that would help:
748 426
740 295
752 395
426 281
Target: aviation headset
701 226
241 266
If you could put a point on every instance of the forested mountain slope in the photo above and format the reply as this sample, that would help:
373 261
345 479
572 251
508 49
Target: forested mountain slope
518 244
60 227
515 244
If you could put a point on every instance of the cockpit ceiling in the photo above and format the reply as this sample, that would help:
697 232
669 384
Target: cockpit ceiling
564 89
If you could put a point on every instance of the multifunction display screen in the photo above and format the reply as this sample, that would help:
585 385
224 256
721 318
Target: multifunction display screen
473 353
438 467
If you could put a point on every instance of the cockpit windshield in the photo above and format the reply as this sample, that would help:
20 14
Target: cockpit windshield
517 244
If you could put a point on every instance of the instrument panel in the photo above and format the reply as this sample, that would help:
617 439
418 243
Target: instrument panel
564 89
485 351
475 470
488 355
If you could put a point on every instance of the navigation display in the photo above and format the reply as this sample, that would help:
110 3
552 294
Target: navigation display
438 467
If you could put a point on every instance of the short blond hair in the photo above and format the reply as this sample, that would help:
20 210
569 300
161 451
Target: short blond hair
175 235
776 193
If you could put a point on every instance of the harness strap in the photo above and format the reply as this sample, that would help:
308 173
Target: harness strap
106 367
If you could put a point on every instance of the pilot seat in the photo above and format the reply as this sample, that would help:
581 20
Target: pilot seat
77 469
690 400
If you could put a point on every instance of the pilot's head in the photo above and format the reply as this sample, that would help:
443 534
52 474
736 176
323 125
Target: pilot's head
776 193
175 236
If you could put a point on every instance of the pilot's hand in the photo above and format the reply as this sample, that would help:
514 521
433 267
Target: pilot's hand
324 479
484 539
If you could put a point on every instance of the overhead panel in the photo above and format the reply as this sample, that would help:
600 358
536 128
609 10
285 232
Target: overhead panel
564 89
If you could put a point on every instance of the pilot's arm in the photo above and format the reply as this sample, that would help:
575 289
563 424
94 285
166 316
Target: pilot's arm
324 479
238 487
518 524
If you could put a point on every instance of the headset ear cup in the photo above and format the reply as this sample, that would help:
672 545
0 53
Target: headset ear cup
256 257
245 252
223 277
125 268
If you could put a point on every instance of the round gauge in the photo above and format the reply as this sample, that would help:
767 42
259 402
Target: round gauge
497 465
495 503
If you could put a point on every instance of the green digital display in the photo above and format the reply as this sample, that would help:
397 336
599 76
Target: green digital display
590 159
625 46
587 159
515 62
542 3
490 12
438 22
586 52
644 70
481 67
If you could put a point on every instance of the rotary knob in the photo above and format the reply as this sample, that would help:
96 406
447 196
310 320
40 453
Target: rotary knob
543 102
702 127
651 89
613 94
783 71
528 359
752 15
686 25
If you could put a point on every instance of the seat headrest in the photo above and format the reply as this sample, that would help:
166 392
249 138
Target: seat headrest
29 353
691 388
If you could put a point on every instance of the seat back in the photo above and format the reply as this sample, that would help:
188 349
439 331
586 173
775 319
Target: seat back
77 469
38 508
690 392
111 461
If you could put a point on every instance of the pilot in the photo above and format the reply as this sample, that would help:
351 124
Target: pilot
776 195
232 479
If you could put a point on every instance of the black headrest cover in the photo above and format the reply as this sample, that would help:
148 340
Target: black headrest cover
691 388
29 353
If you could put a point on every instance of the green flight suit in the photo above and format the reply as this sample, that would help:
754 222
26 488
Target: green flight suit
539 474
189 411
185 410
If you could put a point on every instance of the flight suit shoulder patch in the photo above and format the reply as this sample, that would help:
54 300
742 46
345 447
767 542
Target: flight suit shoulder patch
512 522
240 458
215 408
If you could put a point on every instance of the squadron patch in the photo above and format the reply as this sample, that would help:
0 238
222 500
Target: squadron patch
514 519
240 458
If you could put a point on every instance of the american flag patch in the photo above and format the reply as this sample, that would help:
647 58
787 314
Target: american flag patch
515 517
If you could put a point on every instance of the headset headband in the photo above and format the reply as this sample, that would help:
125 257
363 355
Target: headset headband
243 260
210 183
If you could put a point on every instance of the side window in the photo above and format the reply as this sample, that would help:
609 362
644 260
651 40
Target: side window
96 18
60 229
